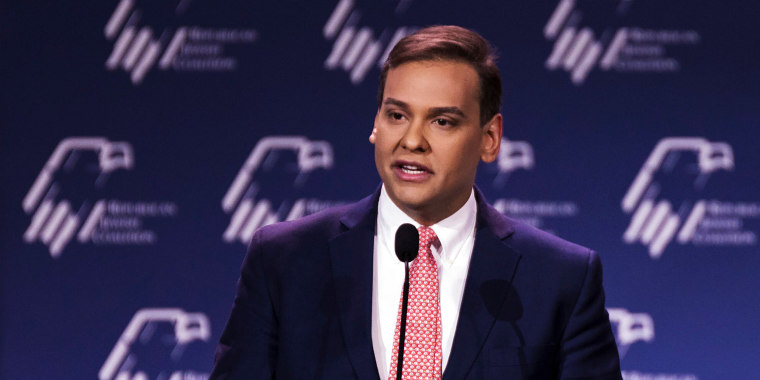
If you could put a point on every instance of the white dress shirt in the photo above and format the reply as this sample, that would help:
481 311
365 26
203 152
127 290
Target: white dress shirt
456 235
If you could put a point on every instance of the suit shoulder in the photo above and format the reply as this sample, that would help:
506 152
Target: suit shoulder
555 267
279 246
320 226
534 243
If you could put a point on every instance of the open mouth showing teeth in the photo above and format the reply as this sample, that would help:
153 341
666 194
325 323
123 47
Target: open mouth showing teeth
412 169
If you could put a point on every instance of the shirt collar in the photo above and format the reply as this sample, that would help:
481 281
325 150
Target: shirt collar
452 231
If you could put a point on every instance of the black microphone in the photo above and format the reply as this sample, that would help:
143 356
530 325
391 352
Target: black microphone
407 242
407 246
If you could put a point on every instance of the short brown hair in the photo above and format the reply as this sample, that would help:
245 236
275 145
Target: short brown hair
449 42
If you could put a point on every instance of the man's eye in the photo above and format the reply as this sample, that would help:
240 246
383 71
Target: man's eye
443 122
395 115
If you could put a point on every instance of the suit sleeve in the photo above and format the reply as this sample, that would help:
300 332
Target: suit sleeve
248 346
588 346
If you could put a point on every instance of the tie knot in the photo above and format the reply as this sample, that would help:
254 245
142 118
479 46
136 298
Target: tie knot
427 236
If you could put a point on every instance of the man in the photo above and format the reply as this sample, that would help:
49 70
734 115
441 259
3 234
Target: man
489 297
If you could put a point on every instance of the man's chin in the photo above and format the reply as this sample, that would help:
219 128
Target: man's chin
411 196
416 206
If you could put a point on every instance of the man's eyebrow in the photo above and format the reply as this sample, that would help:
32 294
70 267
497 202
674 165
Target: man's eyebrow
452 110
433 111
395 102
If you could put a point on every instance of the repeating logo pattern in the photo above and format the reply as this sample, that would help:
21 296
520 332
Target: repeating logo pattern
248 208
137 49
56 218
124 361
578 49
356 49
422 358
655 222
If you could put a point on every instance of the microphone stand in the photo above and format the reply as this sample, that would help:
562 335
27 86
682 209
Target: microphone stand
402 327
406 247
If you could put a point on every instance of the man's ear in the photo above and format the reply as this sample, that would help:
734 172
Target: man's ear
491 139
373 135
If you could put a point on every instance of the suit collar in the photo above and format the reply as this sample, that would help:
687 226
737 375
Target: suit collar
488 284
362 212
491 219
351 262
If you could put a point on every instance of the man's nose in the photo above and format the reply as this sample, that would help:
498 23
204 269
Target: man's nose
414 137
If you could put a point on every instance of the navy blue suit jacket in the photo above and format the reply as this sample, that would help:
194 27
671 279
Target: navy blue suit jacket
533 305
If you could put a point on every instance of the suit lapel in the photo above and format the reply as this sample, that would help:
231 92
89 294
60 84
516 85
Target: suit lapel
489 278
351 256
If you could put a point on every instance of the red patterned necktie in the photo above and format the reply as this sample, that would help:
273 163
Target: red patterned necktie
422 346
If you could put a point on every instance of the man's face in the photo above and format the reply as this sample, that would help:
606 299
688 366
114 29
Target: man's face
429 139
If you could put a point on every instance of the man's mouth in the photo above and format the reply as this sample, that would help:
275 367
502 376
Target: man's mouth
412 169
409 171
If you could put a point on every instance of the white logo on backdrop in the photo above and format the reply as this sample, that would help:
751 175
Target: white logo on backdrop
137 49
655 222
123 363
518 155
515 155
630 328
56 221
356 49
249 209
577 49
636 375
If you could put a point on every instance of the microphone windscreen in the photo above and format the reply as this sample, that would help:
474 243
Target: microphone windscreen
407 242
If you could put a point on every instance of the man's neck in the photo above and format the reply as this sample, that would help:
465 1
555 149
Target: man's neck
423 217
429 217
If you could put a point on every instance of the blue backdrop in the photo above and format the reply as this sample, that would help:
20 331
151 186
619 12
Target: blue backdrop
143 142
